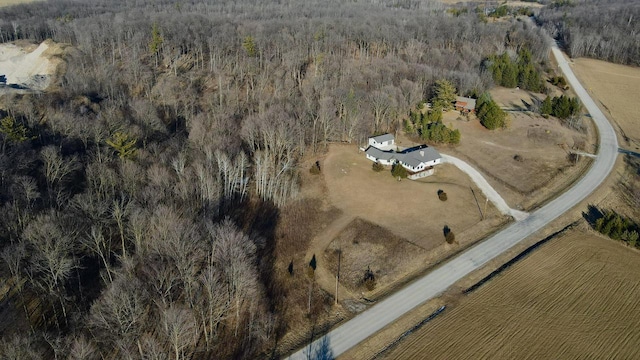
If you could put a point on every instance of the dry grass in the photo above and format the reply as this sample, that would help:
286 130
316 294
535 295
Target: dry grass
365 245
575 297
542 146
409 209
617 87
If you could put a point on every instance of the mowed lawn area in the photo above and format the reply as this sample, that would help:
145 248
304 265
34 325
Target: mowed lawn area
409 209
577 297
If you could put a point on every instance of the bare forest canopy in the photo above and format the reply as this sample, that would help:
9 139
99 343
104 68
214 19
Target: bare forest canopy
143 194
600 29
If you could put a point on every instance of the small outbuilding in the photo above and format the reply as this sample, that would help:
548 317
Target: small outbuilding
465 105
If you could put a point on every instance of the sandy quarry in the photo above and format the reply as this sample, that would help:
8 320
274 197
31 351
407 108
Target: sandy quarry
29 66
15 2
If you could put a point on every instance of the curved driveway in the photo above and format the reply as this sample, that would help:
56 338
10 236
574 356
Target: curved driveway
485 187
347 335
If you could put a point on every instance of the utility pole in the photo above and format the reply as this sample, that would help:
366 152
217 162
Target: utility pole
338 273
485 208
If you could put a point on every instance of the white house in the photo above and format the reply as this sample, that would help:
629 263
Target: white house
419 161
383 157
382 141
419 158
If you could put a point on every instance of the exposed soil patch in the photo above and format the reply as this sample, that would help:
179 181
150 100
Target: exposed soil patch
15 2
28 66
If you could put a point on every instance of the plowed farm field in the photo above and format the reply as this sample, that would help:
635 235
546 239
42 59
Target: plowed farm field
576 297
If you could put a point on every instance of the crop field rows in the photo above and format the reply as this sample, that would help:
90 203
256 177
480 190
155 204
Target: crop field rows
573 298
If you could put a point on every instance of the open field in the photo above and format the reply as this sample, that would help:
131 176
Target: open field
409 209
575 297
15 2
617 88
527 160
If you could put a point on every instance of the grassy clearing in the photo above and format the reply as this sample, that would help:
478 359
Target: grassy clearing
527 161
409 209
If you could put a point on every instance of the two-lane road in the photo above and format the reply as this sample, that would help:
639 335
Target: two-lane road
367 323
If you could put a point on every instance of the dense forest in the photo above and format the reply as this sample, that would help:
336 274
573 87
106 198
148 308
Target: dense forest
149 198
601 29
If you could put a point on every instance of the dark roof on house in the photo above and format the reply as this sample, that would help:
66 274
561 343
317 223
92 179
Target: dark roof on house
379 154
382 138
465 102
420 154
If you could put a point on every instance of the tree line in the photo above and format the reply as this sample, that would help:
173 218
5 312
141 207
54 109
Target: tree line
150 195
606 30
521 72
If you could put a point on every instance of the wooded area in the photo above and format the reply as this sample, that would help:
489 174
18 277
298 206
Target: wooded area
606 30
147 196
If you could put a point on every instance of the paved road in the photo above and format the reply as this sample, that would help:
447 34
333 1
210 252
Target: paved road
433 284
485 187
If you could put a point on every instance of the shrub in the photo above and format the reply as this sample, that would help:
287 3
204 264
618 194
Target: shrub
398 171
315 168
450 237
442 195
369 280
377 167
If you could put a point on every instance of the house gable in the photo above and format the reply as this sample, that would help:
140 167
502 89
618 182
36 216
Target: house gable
383 140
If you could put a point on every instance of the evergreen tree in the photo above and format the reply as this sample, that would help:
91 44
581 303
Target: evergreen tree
490 114
546 108
398 171
156 42
249 46
124 144
14 130
445 95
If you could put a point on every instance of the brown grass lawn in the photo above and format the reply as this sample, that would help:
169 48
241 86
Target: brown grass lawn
409 209
574 298
542 147
365 245
617 87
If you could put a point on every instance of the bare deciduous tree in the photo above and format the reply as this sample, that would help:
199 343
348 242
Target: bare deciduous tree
179 326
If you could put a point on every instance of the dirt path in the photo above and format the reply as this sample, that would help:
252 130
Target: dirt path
324 278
